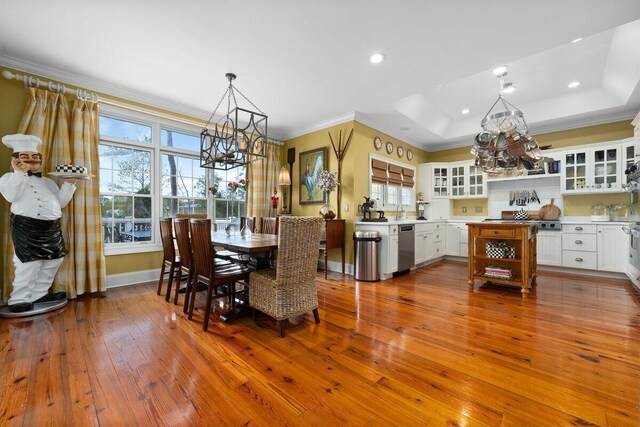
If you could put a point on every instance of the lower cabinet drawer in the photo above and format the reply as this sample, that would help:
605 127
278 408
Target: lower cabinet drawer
497 232
579 242
438 249
580 259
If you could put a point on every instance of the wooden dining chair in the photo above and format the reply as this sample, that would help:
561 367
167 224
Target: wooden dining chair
290 289
269 225
208 272
191 215
169 260
183 241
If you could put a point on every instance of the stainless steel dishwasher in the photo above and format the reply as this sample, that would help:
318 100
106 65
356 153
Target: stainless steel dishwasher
406 247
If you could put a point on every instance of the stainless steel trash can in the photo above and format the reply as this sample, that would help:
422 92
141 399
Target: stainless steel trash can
365 255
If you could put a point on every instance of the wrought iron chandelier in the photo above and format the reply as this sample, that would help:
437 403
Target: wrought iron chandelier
505 145
238 138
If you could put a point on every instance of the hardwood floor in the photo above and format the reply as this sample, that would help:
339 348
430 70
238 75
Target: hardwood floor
420 349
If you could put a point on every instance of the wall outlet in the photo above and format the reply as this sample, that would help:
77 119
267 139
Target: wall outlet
478 209
464 209
346 207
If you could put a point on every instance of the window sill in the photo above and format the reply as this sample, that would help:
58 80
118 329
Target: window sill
131 249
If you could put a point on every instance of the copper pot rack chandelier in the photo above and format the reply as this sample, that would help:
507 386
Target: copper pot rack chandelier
238 138
505 146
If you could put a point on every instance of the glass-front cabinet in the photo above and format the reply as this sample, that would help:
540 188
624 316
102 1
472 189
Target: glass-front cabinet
574 177
457 181
477 184
440 181
595 169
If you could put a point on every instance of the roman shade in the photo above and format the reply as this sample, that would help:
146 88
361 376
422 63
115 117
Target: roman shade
378 171
395 174
407 177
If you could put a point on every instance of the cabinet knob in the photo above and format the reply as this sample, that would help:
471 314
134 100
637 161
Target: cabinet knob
578 242
579 259
437 235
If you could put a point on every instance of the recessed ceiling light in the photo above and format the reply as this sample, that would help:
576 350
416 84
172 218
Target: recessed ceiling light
404 128
577 40
377 58
573 85
465 111
508 88
500 70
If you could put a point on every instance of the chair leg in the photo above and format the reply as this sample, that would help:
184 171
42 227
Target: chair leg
281 327
171 272
162 270
187 294
207 309
316 315
194 290
178 280
253 314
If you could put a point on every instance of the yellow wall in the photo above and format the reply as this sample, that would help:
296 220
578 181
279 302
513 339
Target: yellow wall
574 205
355 170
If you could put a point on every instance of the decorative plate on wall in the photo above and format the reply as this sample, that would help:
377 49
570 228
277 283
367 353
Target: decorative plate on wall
400 152
377 142
409 155
389 147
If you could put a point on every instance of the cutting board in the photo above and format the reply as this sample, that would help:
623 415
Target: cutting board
550 211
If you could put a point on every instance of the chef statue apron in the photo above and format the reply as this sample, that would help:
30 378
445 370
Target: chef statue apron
36 204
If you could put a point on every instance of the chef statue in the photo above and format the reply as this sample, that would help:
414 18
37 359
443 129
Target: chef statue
36 204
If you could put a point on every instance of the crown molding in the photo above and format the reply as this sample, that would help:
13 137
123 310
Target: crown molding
106 88
348 117
542 129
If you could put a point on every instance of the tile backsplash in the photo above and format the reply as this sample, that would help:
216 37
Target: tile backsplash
546 188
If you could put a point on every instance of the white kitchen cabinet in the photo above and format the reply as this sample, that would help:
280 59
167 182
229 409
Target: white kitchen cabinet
392 262
456 240
477 186
613 248
549 248
452 244
439 183
420 247
628 156
589 170
458 181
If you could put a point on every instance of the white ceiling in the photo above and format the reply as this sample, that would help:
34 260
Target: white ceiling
306 63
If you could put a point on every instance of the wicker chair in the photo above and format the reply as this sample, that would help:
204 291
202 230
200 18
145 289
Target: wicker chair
290 290
170 259
269 225
208 272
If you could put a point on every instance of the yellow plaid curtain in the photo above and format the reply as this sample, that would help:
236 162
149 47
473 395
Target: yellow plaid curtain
47 116
264 178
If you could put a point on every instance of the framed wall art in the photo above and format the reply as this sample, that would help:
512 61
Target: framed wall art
312 162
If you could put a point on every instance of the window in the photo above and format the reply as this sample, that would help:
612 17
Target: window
392 183
150 168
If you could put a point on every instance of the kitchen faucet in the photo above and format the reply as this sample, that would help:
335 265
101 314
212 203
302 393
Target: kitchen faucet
402 214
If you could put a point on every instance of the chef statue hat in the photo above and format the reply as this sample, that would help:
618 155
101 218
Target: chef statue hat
20 142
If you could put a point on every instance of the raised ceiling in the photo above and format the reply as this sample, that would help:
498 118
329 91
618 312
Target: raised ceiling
306 63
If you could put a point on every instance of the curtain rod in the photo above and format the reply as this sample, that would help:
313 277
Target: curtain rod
31 81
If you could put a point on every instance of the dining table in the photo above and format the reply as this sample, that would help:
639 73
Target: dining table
259 247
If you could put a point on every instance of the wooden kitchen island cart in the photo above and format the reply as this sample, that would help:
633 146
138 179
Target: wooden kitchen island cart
503 252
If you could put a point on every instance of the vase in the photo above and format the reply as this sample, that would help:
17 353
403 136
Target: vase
245 233
233 226
327 211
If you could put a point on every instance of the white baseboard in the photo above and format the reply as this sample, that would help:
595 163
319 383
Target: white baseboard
582 272
133 278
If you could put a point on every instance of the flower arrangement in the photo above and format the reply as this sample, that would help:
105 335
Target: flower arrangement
243 184
328 181
213 190
275 198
